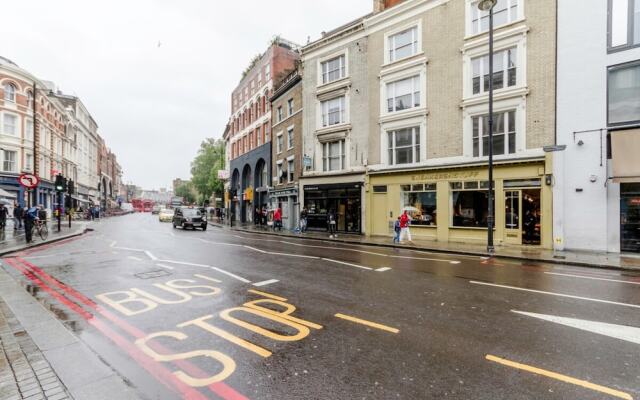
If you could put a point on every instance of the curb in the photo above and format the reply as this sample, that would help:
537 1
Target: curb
441 251
15 249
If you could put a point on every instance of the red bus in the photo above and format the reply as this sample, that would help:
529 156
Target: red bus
138 205
147 205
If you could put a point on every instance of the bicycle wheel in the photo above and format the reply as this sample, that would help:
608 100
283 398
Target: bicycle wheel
43 232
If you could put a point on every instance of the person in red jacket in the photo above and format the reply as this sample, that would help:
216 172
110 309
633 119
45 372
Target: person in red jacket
405 221
277 219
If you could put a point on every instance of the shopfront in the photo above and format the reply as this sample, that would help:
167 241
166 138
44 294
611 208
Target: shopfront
451 204
287 200
344 199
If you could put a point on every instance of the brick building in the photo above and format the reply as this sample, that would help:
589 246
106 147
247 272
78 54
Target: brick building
249 136
286 149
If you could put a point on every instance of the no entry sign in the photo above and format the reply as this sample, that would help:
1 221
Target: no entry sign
29 181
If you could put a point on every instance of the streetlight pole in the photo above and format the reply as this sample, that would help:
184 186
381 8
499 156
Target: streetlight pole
487 5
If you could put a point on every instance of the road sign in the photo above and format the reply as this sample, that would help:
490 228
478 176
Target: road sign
29 181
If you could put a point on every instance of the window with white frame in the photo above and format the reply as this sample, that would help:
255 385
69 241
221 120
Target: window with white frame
403 44
28 162
624 24
333 69
279 143
504 12
290 107
9 92
28 129
333 111
403 94
290 138
10 125
504 71
279 114
9 161
504 133
333 156
279 172
404 146
267 72
290 170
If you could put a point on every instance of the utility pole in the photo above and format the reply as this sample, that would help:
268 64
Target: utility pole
36 156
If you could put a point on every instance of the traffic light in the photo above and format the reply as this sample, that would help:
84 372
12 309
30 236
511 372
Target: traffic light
61 183
67 202
71 187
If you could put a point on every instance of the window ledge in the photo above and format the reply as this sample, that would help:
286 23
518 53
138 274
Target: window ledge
498 32
499 94
334 85
404 63
404 114
473 228
422 226
333 128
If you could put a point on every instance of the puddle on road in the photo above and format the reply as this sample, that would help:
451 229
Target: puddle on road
58 311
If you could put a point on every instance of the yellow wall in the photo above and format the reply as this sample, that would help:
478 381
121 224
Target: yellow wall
385 207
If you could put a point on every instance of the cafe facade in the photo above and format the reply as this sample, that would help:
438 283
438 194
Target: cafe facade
450 203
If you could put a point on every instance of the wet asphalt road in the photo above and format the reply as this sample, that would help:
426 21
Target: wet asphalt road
227 315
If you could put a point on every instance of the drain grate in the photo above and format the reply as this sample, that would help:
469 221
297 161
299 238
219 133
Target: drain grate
152 274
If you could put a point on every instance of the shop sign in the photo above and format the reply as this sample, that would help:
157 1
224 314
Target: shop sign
223 174
248 194
635 201
438 176
288 192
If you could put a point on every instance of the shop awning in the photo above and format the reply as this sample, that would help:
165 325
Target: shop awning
4 193
625 146
80 199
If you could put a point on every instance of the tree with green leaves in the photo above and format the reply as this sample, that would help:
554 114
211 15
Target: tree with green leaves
204 169
186 191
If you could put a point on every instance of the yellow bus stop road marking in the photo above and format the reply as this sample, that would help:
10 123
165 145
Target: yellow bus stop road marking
368 323
268 295
560 377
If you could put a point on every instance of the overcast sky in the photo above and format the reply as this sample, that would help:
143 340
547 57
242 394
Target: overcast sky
157 74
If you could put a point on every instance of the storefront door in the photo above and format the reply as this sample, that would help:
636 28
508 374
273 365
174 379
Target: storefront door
522 216
630 217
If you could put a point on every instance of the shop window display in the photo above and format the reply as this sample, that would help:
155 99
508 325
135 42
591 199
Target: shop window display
470 205
420 203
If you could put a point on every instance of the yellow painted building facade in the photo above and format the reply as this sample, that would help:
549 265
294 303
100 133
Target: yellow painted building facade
440 202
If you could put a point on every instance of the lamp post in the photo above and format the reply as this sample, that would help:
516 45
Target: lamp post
487 5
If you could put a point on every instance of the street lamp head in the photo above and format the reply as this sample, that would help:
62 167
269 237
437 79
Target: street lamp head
486 5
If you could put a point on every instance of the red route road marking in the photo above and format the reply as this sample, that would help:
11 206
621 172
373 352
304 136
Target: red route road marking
160 373
219 388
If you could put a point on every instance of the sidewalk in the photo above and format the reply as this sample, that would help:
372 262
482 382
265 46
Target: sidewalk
14 240
579 258
40 359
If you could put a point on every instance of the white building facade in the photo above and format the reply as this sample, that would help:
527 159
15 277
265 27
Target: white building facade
597 174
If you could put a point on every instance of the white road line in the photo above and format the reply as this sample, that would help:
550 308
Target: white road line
265 283
151 256
346 263
241 279
129 249
254 249
428 259
333 248
293 255
172 234
134 258
556 294
113 244
164 266
383 269
592 278
622 332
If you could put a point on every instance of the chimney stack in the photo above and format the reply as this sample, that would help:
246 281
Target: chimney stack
381 5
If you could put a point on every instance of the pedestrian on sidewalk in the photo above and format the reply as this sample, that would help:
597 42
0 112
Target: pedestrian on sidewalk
3 216
30 216
303 220
396 230
332 220
405 221
17 216
277 219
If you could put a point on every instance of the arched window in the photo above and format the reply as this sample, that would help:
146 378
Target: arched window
9 92
29 98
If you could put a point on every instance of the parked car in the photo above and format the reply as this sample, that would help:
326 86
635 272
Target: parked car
189 218
165 215
156 210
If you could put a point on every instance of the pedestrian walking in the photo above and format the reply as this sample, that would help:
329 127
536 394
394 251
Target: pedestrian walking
332 221
30 215
396 230
3 216
277 219
405 221
17 216
529 223
303 219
